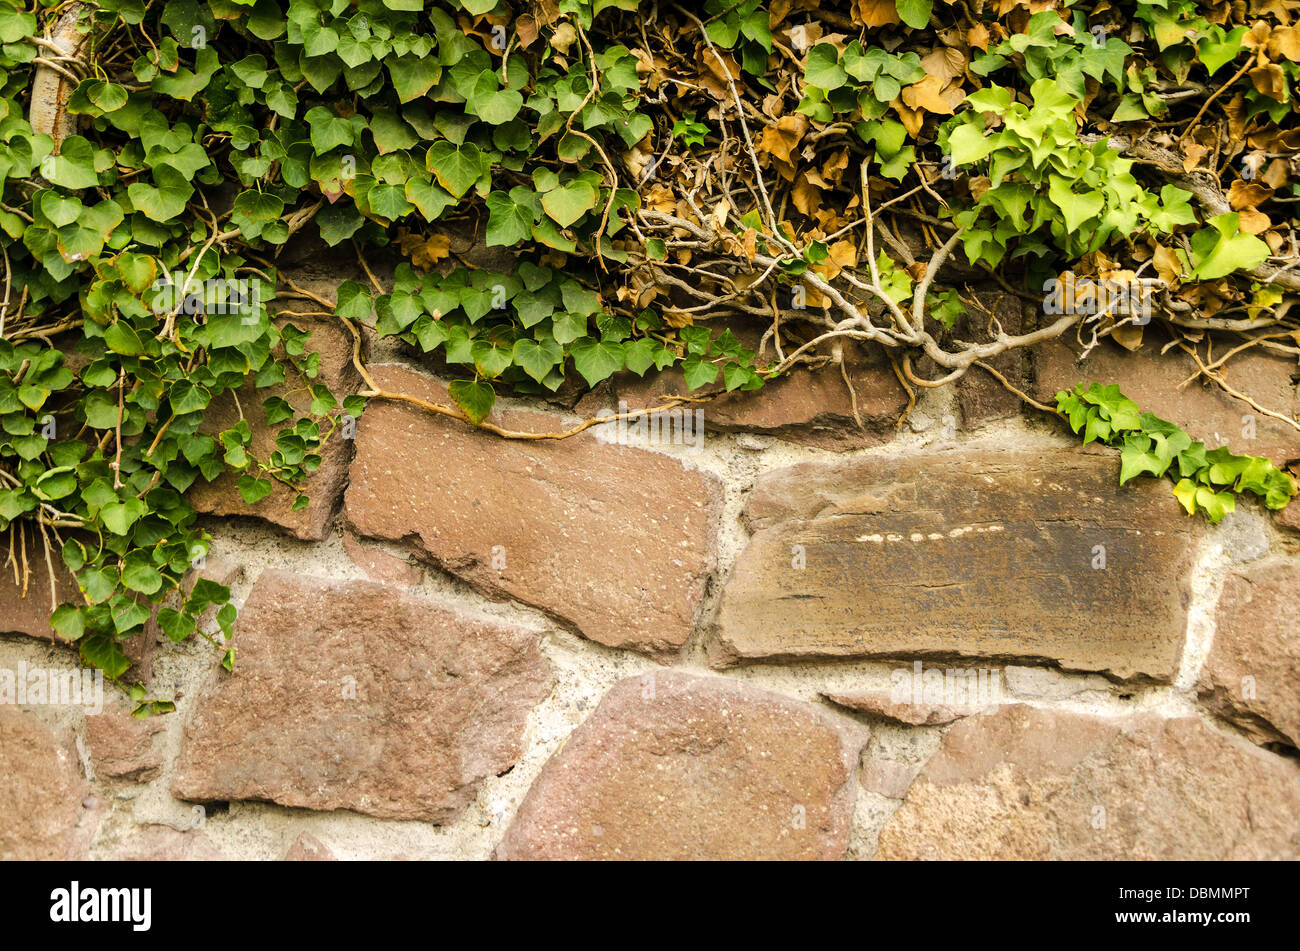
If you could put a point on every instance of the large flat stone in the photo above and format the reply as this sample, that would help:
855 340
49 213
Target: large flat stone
972 554
1028 783
614 540
673 766
359 696
326 484
42 789
1252 675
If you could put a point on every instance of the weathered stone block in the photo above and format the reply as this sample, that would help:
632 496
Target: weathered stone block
359 696
1028 783
973 554
672 766
1155 382
1252 675
616 541
811 407
42 789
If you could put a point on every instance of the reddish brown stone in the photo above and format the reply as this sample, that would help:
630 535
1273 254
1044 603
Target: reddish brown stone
326 484
379 565
42 790
879 704
1252 675
164 844
811 407
971 554
614 540
672 766
359 696
31 614
979 394
1289 517
308 848
1028 783
1154 381
122 746
888 778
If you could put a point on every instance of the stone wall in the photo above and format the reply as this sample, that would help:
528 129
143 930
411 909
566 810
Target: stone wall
798 638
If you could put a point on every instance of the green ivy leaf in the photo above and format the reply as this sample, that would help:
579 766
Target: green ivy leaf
596 360
915 13
510 217
104 651
1221 249
165 198
698 372
822 68
490 103
456 167
537 358
254 210
253 490
475 398
567 203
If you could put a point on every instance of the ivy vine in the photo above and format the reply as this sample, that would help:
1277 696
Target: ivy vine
736 191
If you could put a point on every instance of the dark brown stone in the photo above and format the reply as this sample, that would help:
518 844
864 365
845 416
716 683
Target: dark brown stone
973 554
979 394
31 614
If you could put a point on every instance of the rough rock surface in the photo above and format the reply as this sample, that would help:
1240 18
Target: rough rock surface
1154 381
1028 783
123 747
614 540
326 484
358 696
879 704
165 844
673 766
308 848
977 554
1252 675
810 407
42 789
31 614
